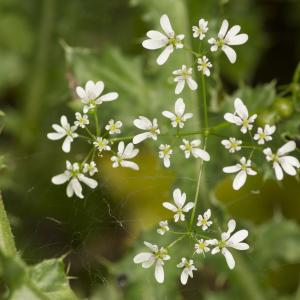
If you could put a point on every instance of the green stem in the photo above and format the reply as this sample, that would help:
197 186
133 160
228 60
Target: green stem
204 101
174 242
7 244
98 131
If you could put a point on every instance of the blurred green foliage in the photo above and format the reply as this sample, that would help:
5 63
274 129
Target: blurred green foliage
47 48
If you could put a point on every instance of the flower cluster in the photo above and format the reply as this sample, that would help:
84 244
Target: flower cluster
202 245
281 162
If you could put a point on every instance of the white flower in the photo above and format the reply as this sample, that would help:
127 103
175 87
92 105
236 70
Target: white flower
157 256
242 169
233 145
81 120
91 95
203 221
74 176
204 65
159 40
202 246
164 227
102 144
165 153
188 268
240 116
113 127
65 130
179 117
228 38
184 75
230 241
264 134
193 148
125 153
90 168
282 162
179 209
151 128
199 32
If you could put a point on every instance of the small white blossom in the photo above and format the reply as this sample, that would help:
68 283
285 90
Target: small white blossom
193 148
228 38
157 256
102 144
232 144
91 95
281 161
81 120
90 168
179 208
230 241
179 117
164 227
242 169
188 268
204 65
199 32
203 221
125 153
240 116
113 127
74 175
63 131
165 153
167 40
184 75
264 134
202 246
151 128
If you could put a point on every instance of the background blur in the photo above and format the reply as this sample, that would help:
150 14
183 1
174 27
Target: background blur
47 47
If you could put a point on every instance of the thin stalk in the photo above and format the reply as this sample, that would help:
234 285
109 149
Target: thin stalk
98 131
204 101
174 242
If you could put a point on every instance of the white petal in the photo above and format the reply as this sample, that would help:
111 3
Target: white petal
89 89
76 187
157 35
288 168
231 118
70 190
179 87
129 164
167 162
141 137
80 92
142 257
223 29
154 44
192 84
229 258
163 57
238 39
184 276
179 198
292 160
168 114
92 183
201 153
241 108
207 214
159 272
64 122
230 53
66 146
240 246
99 87
188 207
54 136
121 147
60 179
166 25
232 169
278 171
233 31
179 107
239 180
238 236
286 148
170 206
107 97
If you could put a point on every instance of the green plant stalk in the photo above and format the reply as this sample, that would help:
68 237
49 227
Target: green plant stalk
98 131
7 243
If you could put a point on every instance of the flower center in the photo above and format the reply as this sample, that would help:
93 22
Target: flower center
222 244
220 43
245 122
